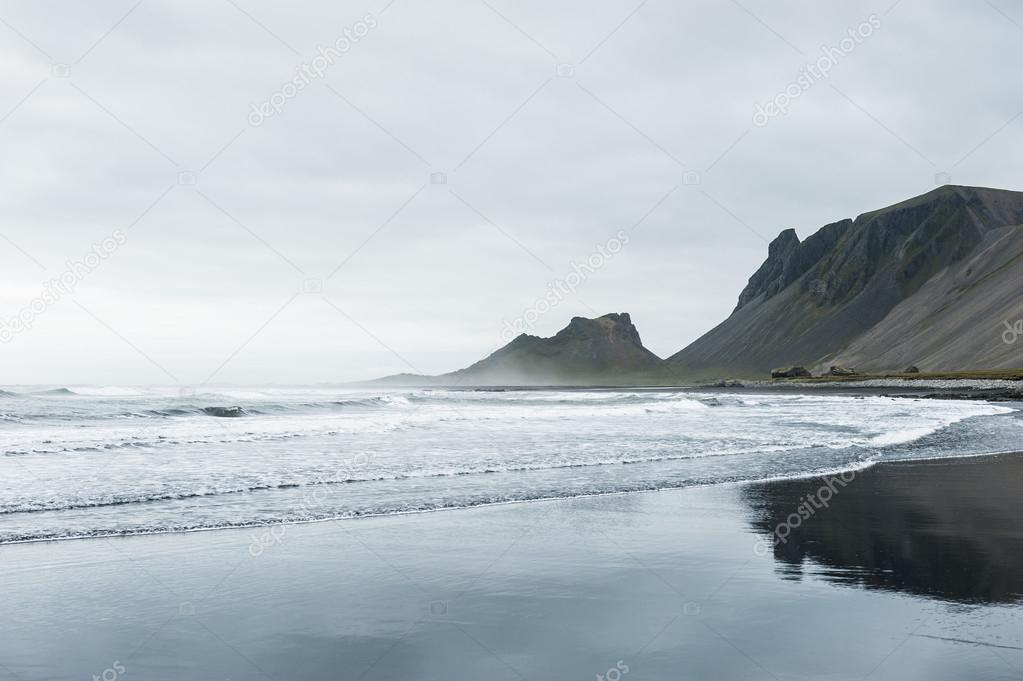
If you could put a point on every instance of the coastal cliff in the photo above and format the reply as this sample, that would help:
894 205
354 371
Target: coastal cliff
928 282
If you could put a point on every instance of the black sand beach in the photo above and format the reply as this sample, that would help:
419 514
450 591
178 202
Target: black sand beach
911 571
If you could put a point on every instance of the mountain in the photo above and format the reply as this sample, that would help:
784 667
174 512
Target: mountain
602 351
931 281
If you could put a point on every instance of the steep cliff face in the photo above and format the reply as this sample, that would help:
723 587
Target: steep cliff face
788 259
944 260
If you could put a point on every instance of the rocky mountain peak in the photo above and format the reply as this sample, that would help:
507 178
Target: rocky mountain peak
788 259
616 327
602 350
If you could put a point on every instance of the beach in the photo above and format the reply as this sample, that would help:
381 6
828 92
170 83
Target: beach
910 571
511 341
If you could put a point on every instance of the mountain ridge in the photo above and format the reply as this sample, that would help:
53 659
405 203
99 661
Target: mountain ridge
820 300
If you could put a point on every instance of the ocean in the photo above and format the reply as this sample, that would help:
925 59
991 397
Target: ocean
103 461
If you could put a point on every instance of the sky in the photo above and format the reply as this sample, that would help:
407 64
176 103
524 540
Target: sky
253 192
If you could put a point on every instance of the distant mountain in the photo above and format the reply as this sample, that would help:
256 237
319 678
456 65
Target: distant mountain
931 281
935 282
602 351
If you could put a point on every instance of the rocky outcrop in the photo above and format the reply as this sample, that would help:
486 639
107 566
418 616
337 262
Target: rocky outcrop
727 383
790 372
225 412
841 371
788 259
929 280
606 350
911 369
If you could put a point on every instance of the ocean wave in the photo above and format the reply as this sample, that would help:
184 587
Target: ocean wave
161 441
35 506
828 424
102 404
417 507
125 500
165 461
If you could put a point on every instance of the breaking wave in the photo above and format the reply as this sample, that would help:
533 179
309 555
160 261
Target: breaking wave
104 461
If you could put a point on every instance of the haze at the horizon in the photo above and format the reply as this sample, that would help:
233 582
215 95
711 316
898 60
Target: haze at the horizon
429 185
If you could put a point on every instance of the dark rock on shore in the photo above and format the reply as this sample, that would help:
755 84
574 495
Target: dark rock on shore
727 383
224 412
911 369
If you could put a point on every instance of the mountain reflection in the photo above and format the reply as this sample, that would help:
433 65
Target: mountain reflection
950 530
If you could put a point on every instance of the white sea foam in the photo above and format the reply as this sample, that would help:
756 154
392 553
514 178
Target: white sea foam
102 461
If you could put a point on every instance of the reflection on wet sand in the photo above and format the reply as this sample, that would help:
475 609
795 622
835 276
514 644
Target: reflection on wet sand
950 530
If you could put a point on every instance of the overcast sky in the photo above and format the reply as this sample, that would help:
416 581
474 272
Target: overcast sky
553 126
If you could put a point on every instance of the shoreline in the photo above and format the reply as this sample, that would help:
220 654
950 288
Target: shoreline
915 563
728 484
908 386
417 512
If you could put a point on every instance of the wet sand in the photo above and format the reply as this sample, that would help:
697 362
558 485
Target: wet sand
910 571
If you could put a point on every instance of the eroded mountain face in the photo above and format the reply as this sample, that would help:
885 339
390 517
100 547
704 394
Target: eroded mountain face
928 281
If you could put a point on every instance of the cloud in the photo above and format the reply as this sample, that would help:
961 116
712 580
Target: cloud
552 128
